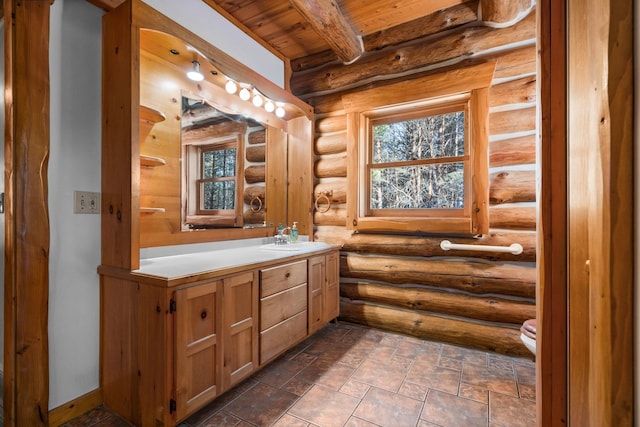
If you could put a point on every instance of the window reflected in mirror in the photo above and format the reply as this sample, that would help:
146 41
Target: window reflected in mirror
216 185
213 167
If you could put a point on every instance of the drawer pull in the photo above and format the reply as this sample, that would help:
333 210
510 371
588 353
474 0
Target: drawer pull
286 276
203 315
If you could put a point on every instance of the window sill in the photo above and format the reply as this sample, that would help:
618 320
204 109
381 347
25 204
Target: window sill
448 225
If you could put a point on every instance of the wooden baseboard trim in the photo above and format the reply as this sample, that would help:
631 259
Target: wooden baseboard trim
75 408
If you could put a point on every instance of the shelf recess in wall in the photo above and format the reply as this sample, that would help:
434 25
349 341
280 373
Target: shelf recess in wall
151 210
151 161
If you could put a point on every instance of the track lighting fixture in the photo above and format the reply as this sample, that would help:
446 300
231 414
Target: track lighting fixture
195 74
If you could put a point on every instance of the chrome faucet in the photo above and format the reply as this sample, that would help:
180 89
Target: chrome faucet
281 238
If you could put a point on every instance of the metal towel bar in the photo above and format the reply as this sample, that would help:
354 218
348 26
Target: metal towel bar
514 248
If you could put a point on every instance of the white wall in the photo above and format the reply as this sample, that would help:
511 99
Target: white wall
202 20
74 164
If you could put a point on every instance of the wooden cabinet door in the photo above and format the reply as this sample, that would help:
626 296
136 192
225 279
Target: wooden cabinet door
198 346
316 285
240 332
332 288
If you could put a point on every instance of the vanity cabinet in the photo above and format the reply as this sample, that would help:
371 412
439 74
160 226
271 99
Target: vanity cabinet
283 308
324 290
216 338
198 346
240 327
172 345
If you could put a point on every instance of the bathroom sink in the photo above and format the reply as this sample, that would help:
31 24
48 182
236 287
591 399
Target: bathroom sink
292 247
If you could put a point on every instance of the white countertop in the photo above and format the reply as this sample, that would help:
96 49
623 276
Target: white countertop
221 257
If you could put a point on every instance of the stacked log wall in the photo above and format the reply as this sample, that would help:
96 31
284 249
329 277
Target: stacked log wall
407 283
255 175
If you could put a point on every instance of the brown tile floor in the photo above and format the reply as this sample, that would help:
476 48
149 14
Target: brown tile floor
353 376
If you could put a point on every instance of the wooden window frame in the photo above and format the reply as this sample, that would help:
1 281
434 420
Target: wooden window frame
192 158
413 111
200 181
469 85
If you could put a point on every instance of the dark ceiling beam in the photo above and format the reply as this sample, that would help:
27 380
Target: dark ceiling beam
424 26
332 26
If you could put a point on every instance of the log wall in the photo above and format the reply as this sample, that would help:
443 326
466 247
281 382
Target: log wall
254 175
406 283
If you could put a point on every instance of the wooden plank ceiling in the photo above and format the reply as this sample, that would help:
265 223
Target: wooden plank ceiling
299 28
321 31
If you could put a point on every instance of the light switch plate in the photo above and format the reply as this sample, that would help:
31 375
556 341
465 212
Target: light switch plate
86 202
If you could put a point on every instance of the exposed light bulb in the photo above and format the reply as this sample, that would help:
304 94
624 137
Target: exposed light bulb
244 94
195 74
257 100
231 87
280 112
269 107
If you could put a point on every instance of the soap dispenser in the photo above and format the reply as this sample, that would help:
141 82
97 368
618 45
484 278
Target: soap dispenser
294 232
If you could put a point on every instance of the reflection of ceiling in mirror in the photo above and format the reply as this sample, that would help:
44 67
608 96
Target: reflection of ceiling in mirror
198 113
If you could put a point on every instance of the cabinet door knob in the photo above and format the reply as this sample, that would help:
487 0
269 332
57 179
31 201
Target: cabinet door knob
203 315
287 275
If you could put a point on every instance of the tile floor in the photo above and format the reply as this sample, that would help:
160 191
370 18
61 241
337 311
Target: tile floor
353 376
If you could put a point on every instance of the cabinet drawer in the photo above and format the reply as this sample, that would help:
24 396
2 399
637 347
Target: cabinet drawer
280 337
281 306
276 279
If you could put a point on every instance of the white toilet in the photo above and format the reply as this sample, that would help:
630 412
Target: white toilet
528 335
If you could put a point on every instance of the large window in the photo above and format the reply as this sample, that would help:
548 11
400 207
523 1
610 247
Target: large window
417 160
419 163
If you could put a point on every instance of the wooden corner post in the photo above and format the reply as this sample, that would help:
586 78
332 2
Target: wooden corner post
27 130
